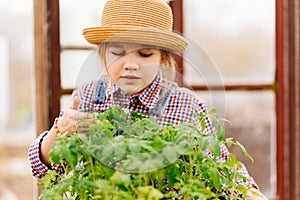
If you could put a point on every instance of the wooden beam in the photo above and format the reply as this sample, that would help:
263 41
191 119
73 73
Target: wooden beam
177 9
293 91
290 90
54 59
41 66
41 71
236 87
280 100
288 97
47 62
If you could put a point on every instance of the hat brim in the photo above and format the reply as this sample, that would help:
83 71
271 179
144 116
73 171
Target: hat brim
164 39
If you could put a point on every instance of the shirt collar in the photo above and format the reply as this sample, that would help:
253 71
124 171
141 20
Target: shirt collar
111 89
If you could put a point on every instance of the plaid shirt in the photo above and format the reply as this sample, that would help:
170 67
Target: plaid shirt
182 105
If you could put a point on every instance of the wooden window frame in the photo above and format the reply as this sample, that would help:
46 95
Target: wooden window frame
288 98
48 88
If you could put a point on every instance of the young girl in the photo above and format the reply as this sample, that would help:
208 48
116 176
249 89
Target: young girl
136 45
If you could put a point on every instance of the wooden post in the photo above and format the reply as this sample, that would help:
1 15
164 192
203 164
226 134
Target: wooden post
288 98
54 59
41 66
41 71
177 9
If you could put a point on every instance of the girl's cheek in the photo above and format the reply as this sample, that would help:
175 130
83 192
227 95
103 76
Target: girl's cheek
114 73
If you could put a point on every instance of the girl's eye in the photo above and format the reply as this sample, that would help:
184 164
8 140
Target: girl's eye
118 53
143 54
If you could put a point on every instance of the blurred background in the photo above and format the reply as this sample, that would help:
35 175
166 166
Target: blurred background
239 37
16 106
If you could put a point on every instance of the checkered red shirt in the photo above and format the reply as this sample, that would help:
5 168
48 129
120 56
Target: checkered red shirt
182 105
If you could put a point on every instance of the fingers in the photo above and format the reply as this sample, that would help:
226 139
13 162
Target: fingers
74 107
67 122
70 118
75 104
83 126
77 115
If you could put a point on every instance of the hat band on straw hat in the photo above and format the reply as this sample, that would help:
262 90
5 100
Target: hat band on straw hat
146 22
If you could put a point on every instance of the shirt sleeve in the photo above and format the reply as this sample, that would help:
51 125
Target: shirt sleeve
38 168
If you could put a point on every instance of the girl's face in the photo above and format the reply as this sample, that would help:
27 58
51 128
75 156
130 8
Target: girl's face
132 67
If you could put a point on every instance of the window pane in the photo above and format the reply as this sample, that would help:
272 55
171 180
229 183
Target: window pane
65 101
238 35
78 67
75 15
253 124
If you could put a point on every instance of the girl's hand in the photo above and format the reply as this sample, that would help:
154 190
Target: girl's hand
68 123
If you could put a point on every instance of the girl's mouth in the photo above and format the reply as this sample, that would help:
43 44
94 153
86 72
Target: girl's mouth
130 77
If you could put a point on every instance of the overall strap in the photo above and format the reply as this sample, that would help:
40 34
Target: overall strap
99 92
159 107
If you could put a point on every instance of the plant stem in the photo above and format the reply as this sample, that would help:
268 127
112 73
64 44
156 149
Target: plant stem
92 167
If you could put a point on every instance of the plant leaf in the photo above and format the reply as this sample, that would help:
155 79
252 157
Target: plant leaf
244 151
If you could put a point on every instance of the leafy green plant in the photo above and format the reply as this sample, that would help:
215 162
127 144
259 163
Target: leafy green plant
133 157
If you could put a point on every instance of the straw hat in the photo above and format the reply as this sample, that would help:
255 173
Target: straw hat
146 22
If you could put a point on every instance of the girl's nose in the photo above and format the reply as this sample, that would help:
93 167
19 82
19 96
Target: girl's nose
131 66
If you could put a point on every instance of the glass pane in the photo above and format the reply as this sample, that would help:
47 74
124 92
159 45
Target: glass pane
75 15
239 36
253 124
78 67
65 101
